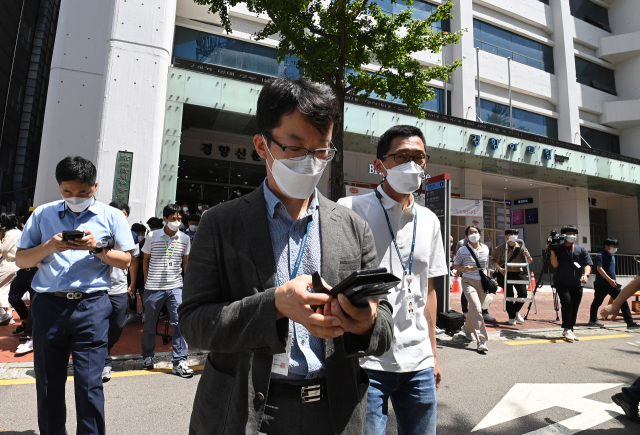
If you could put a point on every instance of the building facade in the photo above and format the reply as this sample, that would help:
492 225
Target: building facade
541 122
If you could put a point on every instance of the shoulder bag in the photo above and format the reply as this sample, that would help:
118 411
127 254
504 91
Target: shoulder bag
488 284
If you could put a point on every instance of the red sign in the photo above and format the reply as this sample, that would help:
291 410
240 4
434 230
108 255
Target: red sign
475 222
353 190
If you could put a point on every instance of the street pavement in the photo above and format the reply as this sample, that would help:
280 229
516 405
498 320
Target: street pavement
552 387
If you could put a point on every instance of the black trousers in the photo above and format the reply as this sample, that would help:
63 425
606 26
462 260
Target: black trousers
601 292
20 285
570 298
521 289
117 322
632 393
63 327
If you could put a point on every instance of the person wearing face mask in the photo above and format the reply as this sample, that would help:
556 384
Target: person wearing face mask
247 297
71 308
465 262
605 284
136 281
515 254
409 244
572 265
194 221
166 253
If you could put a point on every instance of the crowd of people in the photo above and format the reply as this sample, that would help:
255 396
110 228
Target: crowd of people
283 358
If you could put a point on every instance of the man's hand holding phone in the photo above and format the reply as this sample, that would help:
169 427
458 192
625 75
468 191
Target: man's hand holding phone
57 244
357 320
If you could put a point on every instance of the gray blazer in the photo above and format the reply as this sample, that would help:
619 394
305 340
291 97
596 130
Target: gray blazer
228 307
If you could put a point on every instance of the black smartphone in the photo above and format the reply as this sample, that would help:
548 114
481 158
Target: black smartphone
72 235
360 285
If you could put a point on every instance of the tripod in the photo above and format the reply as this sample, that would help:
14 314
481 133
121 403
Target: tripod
546 268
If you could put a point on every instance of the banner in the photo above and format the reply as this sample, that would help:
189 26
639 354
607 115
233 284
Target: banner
357 191
466 207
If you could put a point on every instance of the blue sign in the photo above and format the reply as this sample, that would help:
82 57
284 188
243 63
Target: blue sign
513 146
475 139
531 149
434 186
546 154
494 143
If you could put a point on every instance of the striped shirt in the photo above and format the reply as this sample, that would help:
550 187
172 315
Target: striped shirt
464 258
165 265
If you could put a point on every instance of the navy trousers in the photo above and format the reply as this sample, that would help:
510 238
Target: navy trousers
63 327
632 393
117 322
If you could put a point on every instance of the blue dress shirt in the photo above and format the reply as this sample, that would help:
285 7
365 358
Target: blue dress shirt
74 270
307 351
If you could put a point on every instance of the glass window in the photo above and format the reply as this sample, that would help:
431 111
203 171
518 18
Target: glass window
546 2
421 11
496 113
591 13
595 76
600 140
498 41
233 53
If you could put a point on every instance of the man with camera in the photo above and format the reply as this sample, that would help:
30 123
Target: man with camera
72 240
606 285
515 254
572 265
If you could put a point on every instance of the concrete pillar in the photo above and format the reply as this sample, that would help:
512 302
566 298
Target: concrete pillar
463 95
106 94
623 223
565 206
472 183
565 71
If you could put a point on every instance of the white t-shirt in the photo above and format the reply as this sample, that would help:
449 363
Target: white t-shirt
119 276
411 347
165 265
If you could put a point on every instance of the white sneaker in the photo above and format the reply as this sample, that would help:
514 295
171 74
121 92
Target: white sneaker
488 318
569 335
465 335
106 374
133 318
25 296
25 348
439 331
512 322
5 319
482 347
182 370
519 318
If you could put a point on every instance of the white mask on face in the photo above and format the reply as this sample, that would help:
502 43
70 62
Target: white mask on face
513 238
193 228
475 237
78 204
405 178
199 207
572 238
140 239
296 178
613 250
186 209
173 226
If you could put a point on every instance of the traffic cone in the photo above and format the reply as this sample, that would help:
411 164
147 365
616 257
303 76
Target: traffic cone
500 290
457 287
533 282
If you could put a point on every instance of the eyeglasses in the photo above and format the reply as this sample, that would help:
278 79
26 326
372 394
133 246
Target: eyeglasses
299 153
401 158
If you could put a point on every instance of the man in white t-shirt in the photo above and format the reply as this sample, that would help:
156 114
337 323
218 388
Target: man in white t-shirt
118 297
166 253
410 245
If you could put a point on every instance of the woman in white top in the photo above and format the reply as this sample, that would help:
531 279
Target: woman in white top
10 234
472 286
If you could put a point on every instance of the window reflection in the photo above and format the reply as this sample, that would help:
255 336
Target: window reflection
496 113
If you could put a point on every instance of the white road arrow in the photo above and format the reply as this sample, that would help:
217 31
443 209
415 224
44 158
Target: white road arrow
526 399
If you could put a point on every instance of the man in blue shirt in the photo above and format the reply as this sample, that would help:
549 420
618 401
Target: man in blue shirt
605 284
573 266
71 309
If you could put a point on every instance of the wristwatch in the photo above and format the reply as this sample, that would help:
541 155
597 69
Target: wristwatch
100 245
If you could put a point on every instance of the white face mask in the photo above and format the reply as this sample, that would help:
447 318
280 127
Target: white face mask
174 226
186 209
296 178
193 228
513 238
78 204
613 250
140 239
199 207
405 178
572 238
475 237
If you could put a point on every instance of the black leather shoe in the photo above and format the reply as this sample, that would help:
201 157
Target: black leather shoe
597 323
633 325
630 410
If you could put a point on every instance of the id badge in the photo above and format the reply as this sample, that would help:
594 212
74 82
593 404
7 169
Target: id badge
577 265
410 299
280 364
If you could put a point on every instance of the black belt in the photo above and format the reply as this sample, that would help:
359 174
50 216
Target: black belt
77 295
307 391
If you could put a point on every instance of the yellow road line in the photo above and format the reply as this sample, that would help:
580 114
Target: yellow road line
113 375
555 340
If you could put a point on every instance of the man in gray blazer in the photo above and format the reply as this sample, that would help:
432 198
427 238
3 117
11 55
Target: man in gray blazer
277 366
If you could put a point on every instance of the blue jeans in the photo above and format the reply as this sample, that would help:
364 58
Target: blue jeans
153 301
413 395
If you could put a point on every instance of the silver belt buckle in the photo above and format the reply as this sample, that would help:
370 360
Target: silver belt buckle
312 393
74 295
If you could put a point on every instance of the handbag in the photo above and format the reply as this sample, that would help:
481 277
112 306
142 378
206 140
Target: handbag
488 284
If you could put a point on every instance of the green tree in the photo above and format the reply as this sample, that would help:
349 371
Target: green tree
335 41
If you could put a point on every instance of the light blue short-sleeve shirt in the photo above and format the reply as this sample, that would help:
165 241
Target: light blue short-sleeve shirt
74 270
